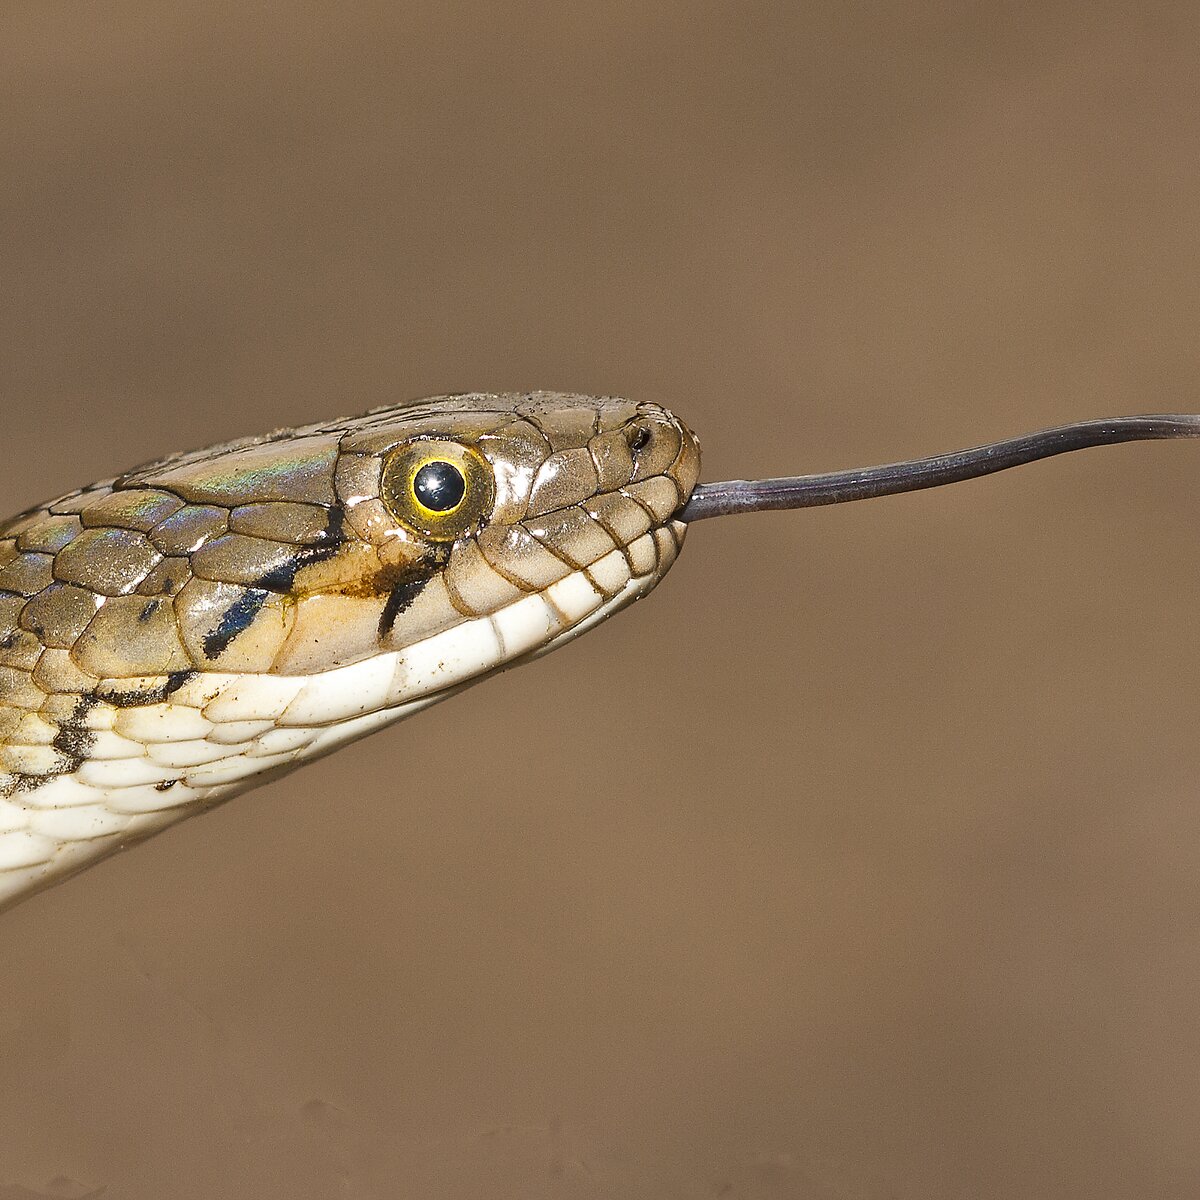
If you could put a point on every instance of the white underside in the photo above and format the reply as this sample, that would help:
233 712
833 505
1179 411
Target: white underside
220 734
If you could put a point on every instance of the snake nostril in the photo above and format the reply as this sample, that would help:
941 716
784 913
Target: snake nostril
639 438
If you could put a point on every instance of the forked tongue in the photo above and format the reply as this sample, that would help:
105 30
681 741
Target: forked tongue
836 487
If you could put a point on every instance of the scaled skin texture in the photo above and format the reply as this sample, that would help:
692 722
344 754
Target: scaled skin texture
187 630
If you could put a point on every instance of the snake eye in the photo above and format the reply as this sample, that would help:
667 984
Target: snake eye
439 486
439 490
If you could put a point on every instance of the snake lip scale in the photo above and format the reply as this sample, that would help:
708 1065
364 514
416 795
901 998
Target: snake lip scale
196 626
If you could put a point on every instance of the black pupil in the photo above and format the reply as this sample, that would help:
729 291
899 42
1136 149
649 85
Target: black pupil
440 486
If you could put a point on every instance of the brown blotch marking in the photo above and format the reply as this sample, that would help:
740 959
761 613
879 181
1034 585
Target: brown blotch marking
352 571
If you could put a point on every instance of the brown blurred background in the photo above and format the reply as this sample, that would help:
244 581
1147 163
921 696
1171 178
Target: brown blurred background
870 866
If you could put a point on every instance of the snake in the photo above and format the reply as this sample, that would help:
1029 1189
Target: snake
199 625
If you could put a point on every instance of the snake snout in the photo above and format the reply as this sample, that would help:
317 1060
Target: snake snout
623 487
664 448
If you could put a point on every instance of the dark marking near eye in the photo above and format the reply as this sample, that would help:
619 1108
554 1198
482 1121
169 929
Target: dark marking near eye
237 618
148 610
407 586
398 601
283 577
8 641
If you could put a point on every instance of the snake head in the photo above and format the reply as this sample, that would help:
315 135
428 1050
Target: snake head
484 528
479 527
177 634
